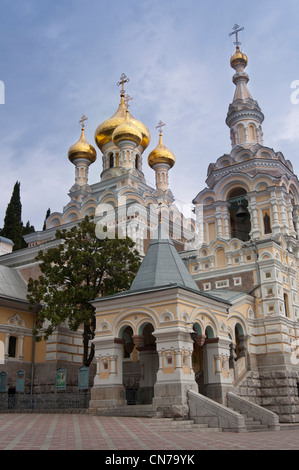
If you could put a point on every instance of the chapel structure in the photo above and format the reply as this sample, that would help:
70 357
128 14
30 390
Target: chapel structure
211 318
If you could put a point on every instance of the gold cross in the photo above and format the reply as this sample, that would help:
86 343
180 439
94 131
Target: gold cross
123 79
127 99
236 29
83 118
160 125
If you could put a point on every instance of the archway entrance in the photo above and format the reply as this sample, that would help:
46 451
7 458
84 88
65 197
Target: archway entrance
140 364
131 366
149 361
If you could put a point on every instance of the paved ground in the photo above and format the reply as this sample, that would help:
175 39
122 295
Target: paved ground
87 432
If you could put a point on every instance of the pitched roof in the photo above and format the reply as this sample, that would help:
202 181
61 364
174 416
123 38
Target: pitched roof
162 266
12 284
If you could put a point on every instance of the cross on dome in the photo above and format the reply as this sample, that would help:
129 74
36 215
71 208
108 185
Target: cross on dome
127 99
123 79
160 125
236 29
82 121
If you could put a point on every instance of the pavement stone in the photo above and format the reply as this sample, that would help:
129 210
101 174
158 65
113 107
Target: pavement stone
57 432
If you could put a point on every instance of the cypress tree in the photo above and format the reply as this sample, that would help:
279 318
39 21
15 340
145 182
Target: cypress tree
13 226
47 215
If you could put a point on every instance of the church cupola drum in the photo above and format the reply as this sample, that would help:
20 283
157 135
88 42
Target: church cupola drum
82 154
115 138
244 117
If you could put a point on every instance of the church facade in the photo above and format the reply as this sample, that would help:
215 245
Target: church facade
214 307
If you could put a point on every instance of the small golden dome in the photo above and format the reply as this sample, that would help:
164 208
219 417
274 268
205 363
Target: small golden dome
127 131
238 58
161 154
82 149
104 131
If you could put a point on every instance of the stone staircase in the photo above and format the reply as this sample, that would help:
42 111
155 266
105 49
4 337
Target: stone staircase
178 425
240 415
156 423
206 415
252 424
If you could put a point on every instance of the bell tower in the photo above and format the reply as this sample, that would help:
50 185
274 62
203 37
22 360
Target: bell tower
250 204
248 220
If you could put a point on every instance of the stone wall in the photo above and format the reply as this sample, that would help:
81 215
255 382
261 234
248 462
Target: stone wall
275 390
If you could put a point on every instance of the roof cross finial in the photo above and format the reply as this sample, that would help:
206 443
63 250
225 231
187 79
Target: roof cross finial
236 29
82 121
123 79
160 125
127 99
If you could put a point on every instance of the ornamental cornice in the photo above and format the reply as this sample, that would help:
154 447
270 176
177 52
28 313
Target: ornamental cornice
234 116
244 166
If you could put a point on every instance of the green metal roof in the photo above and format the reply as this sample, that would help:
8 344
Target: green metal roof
162 266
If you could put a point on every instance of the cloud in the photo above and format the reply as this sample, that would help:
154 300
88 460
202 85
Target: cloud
61 59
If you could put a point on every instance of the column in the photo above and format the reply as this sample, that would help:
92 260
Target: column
108 390
283 213
175 375
217 375
226 217
219 221
275 225
252 208
289 208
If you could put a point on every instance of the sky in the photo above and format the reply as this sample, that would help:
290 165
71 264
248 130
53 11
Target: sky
60 59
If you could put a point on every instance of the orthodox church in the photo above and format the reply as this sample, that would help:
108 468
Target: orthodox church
209 327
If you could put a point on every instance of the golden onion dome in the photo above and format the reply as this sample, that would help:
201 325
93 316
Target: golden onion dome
238 58
161 154
127 131
82 149
104 131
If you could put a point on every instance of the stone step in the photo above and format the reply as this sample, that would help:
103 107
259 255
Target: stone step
141 411
257 427
171 421
252 421
252 424
170 424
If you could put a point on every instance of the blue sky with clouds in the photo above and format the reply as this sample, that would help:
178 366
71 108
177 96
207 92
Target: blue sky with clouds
62 58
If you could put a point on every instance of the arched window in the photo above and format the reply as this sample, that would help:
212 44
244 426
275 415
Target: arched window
241 134
128 341
267 222
12 346
209 332
239 216
137 162
111 161
251 133
220 258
